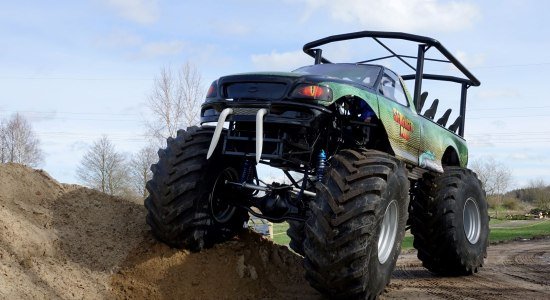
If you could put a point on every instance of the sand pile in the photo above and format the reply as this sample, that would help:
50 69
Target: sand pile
61 241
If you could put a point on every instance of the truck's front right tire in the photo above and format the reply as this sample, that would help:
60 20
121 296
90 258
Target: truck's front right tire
189 204
353 237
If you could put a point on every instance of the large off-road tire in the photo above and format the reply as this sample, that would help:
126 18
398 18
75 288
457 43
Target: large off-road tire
353 237
450 223
296 234
188 201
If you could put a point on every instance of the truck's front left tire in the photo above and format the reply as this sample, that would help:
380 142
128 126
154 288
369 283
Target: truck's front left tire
353 237
189 205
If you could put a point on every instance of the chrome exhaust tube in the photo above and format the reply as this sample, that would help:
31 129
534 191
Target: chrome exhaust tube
260 133
218 131
296 191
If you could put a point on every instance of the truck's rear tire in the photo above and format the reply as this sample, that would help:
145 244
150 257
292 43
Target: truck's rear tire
450 223
187 205
353 237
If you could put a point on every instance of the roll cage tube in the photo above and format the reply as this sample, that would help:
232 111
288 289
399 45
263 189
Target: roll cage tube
424 44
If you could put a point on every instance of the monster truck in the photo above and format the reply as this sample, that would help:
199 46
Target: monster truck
362 162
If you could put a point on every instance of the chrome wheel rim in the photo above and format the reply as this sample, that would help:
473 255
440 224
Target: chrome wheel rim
471 220
221 210
388 232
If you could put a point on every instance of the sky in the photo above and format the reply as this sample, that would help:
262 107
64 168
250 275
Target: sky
82 69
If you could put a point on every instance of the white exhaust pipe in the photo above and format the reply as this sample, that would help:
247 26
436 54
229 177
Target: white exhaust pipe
218 131
260 133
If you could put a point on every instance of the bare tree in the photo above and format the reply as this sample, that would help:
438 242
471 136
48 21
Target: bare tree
139 168
18 143
495 177
103 168
539 191
3 144
174 102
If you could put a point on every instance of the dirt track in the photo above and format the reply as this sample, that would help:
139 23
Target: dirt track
516 270
60 241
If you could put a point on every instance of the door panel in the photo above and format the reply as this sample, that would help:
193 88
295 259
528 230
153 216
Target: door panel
403 128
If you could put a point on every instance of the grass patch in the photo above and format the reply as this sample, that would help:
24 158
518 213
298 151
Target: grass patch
279 233
280 237
527 231
407 243
494 221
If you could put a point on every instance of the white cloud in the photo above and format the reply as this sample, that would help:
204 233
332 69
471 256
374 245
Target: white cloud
233 28
140 11
499 94
526 155
155 49
403 15
281 61
499 124
137 47
36 117
470 60
79 146
120 38
480 141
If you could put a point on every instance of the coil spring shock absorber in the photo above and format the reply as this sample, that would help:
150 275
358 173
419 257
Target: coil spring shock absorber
247 169
321 165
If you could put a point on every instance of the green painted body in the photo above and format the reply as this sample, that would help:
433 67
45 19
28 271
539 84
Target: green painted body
421 142
414 139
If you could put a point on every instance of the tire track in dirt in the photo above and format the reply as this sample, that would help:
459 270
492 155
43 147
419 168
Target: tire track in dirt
515 270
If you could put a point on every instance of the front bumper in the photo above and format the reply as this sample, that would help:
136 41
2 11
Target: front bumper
287 112
291 127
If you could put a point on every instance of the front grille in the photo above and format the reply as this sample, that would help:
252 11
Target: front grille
242 141
255 90
245 111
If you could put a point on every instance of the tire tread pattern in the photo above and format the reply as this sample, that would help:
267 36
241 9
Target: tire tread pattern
435 226
177 205
344 217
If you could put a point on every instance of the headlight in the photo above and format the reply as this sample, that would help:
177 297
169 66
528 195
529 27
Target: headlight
312 91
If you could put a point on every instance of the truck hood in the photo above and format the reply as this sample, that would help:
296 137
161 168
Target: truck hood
264 85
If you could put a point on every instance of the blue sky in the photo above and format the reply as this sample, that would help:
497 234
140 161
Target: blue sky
81 69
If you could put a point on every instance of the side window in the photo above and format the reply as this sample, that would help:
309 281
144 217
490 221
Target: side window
391 88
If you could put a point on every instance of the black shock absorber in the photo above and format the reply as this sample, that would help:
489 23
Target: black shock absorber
247 170
321 165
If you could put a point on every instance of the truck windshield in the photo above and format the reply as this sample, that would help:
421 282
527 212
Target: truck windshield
363 74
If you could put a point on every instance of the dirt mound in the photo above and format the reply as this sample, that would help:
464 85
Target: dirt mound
248 267
66 241
60 241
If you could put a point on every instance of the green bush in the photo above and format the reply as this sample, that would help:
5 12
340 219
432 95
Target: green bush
511 203
493 202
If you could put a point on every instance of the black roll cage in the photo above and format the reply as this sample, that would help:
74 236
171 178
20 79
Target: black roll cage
424 44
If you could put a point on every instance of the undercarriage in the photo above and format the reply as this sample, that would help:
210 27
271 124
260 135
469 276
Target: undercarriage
292 138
